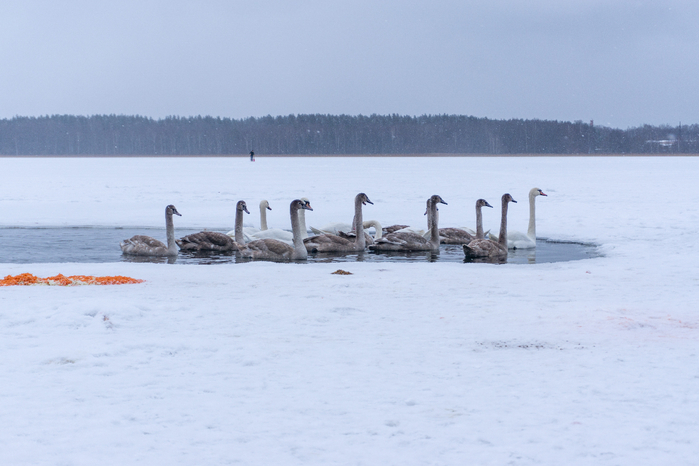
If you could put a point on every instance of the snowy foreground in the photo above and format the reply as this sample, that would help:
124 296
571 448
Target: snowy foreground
587 362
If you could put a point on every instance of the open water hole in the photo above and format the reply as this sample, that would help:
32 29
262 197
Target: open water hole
101 244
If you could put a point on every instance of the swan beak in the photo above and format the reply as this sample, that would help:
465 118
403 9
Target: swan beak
177 213
441 201
541 193
514 201
367 200
245 209
488 205
307 206
269 208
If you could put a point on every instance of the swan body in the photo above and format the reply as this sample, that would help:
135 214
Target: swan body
332 228
336 243
141 245
272 249
237 233
404 240
274 233
393 228
519 240
483 247
346 228
207 241
455 236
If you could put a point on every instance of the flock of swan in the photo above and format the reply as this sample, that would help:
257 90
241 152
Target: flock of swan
277 244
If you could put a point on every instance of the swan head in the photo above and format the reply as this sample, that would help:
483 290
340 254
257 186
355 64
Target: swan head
482 203
265 204
507 198
298 204
171 209
536 192
437 200
306 203
242 206
364 199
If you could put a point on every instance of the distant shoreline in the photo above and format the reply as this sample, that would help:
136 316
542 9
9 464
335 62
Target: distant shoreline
262 156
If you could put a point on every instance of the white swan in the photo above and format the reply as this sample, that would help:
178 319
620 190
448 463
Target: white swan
517 239
482 247
264 207
237 233
335 243
272 249
409 241
284 236
141 245
346 228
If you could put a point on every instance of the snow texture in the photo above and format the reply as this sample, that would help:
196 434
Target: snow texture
590 362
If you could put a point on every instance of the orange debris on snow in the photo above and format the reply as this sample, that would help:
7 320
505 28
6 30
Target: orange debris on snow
25 279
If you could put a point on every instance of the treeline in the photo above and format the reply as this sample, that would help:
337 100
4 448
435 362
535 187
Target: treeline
330 134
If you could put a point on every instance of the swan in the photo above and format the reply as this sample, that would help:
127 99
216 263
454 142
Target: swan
517 239
264 207
482 247
237 233
279 234
410 241
461 235
268 233
272 249
335 243
141 245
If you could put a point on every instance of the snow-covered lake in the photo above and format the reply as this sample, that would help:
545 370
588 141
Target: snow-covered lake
582 362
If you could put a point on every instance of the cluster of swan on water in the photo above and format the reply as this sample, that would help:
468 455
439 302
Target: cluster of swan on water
277 244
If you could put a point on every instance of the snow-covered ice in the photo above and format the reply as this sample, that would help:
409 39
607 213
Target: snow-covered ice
583 362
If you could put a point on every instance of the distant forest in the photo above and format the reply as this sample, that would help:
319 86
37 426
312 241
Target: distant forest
331 134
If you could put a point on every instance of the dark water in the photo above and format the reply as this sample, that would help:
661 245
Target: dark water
36 245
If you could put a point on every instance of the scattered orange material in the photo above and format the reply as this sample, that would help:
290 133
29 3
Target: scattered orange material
25 279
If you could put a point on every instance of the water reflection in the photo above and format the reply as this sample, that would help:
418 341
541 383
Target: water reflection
98 245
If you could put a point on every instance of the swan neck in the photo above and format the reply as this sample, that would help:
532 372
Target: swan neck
531 231
299 248
377 227
302 223
432 224
239 237
358 225
503 224
479 223
263 217
170 229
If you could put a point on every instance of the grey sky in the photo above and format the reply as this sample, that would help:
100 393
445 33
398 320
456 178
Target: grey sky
619 62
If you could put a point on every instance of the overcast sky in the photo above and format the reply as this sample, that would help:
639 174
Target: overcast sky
620 63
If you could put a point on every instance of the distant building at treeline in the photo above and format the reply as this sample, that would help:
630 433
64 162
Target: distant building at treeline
331 134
